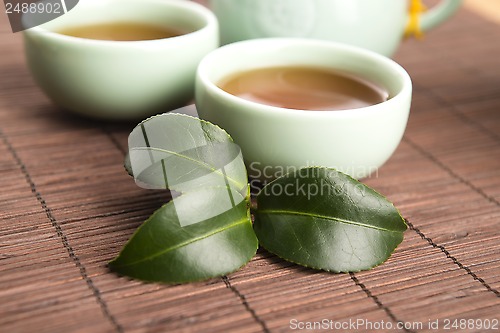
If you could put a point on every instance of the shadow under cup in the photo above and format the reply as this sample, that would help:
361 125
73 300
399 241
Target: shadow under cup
275 140
122 79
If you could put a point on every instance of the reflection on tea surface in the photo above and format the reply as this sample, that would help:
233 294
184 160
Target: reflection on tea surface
304 88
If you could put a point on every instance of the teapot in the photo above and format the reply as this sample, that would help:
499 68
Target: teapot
377 25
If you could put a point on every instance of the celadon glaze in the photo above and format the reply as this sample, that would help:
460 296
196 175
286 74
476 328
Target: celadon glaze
377 25
356 141
121 80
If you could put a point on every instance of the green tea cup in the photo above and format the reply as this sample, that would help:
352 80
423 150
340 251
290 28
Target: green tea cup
275 140
121 79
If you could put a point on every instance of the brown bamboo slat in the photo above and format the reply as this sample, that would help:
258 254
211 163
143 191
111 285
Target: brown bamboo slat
67 207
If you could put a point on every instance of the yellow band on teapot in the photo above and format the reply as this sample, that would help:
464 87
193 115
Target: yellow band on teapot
413 28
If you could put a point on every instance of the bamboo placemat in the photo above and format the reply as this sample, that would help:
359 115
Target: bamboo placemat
67 207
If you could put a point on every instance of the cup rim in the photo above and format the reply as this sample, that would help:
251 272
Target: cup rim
194 7
206 63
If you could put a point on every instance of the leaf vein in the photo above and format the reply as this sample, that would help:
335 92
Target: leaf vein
360 224
203 164
185 243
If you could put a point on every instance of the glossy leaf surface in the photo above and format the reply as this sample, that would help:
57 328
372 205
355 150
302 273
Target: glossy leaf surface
323 219
182 153
206 231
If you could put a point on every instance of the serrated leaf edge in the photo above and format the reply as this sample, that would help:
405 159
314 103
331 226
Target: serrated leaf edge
332 270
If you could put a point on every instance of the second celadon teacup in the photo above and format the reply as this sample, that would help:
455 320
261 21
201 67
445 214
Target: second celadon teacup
377 25
276 140
121 79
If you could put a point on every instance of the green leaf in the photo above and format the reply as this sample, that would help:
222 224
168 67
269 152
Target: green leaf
323 219
181 153
206 231
163 250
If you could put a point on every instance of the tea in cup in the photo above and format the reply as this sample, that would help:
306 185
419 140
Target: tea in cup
304 88
292 103
121 59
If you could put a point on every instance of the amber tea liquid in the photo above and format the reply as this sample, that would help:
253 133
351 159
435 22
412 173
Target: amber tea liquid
121 31
304 88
